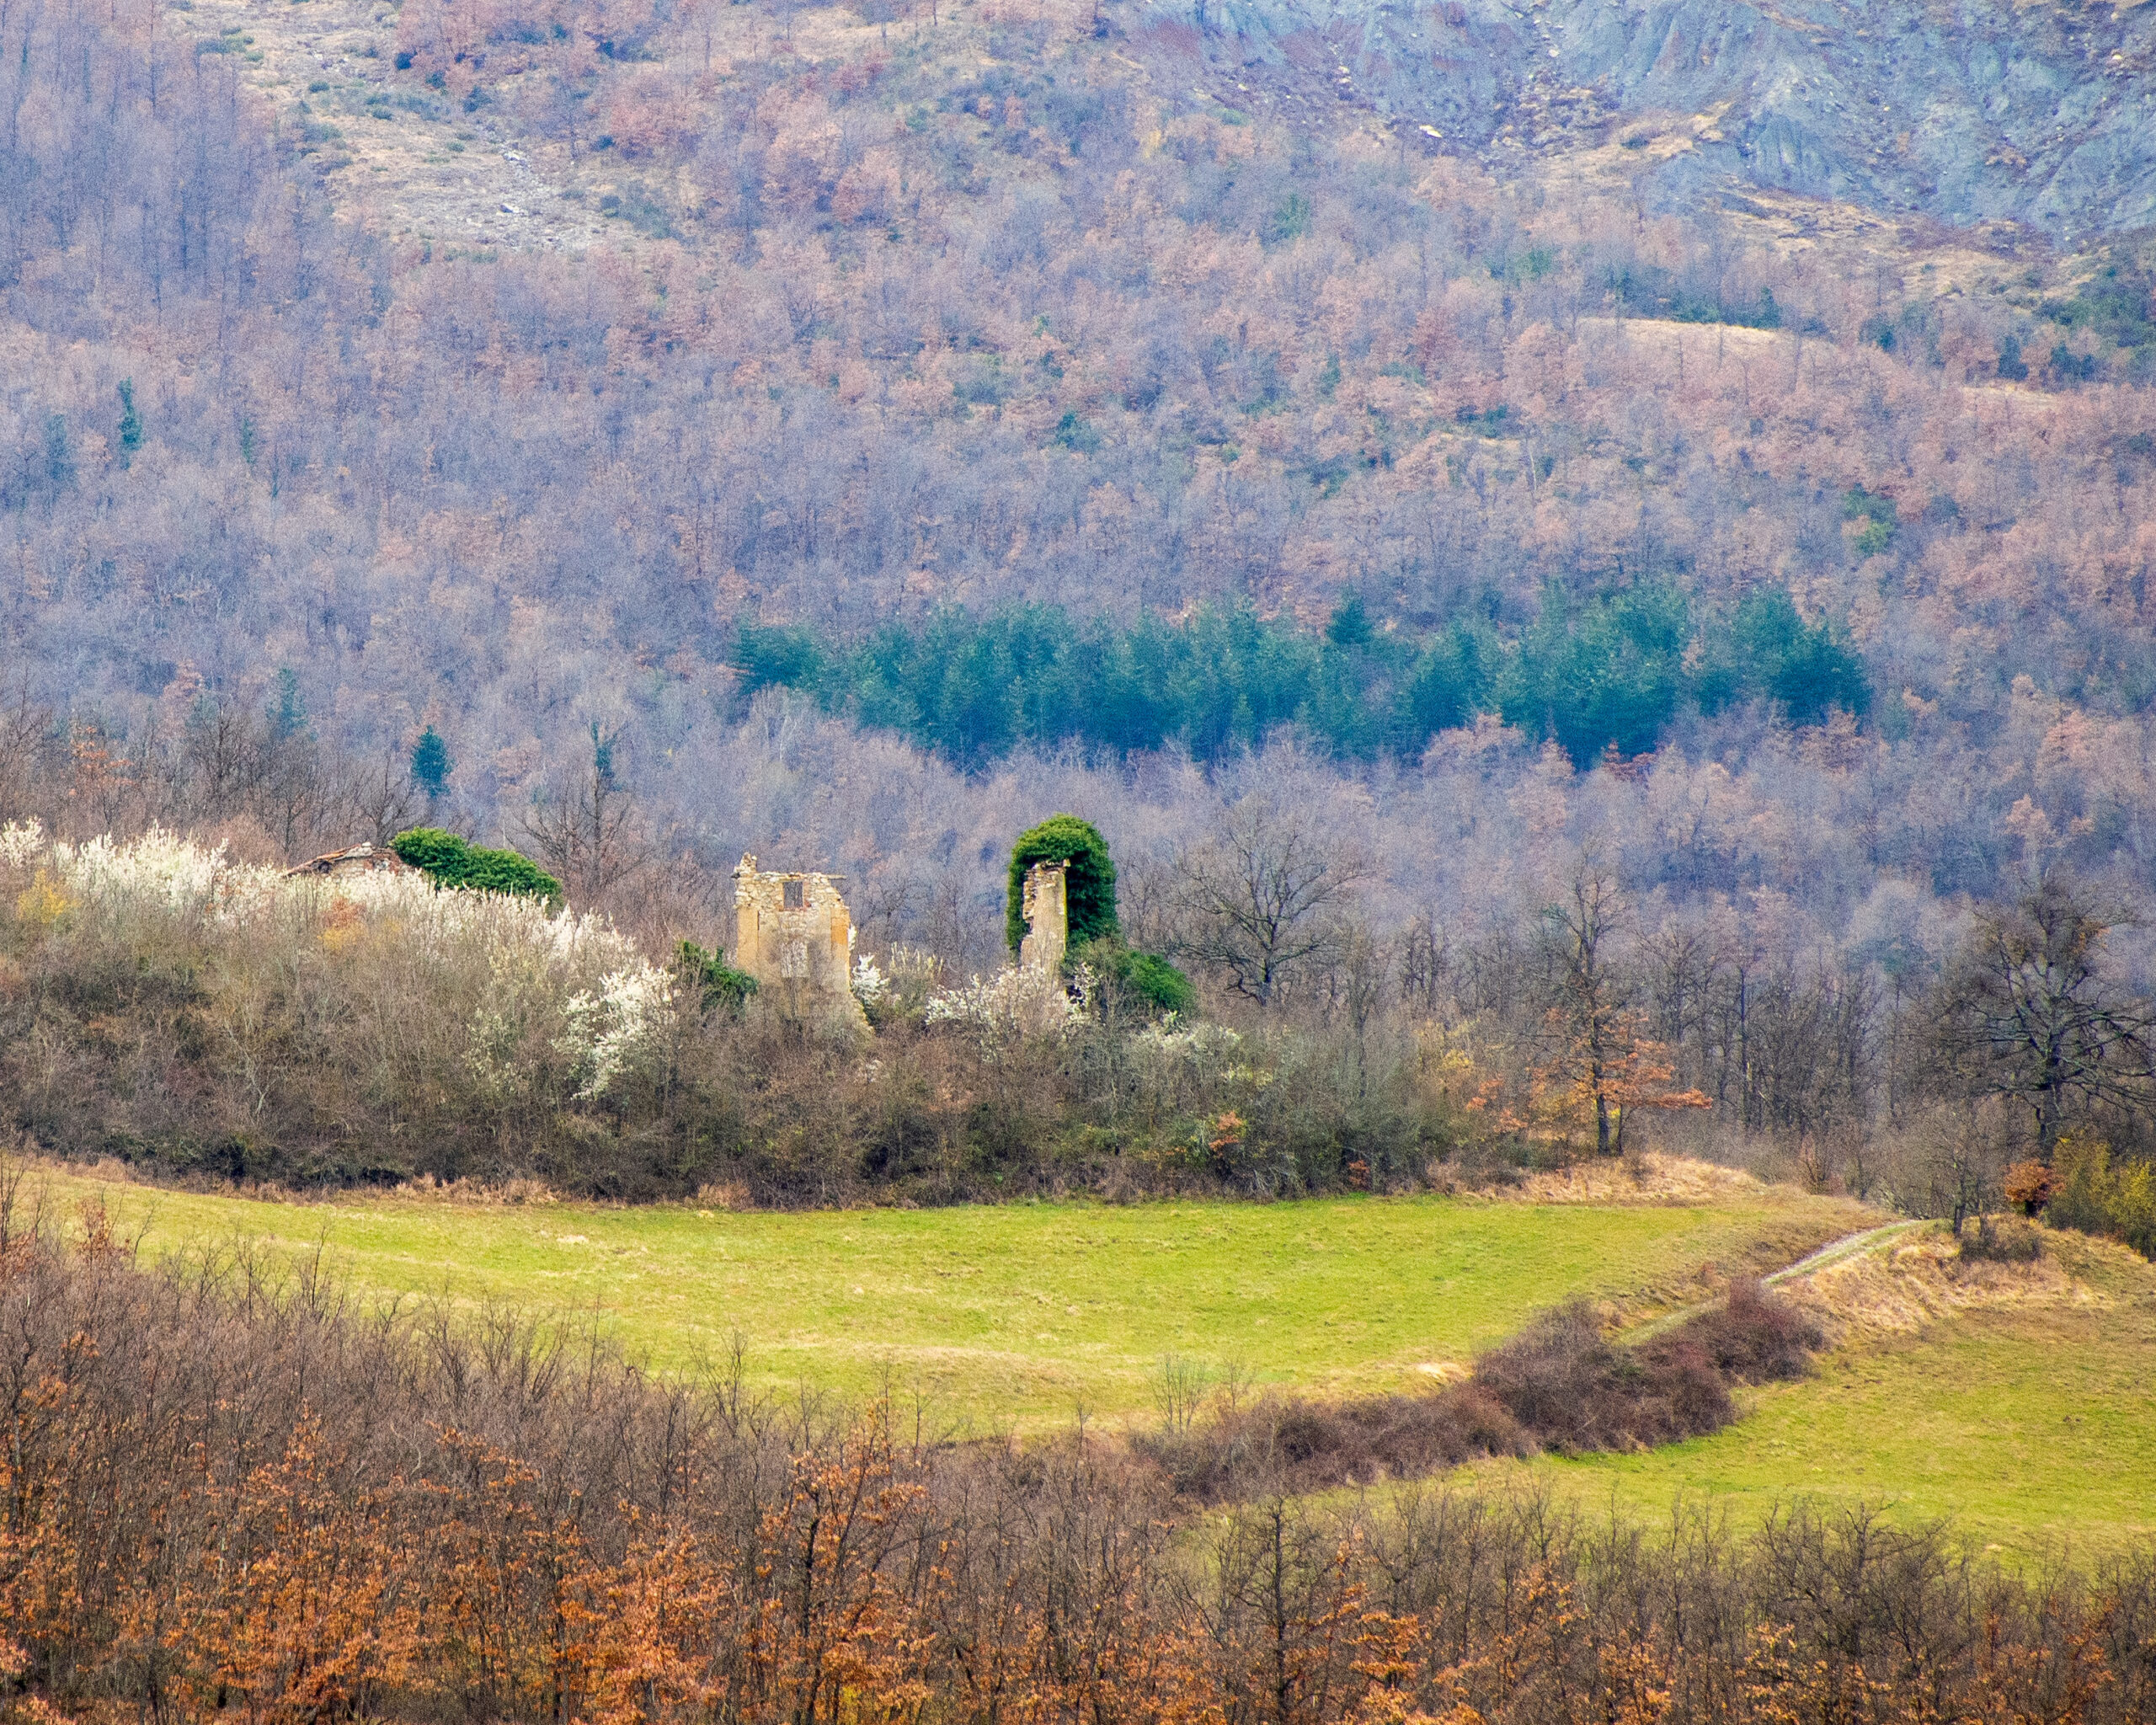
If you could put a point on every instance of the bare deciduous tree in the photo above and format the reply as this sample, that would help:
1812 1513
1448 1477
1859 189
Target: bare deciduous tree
2030 1014
1265 896
25 732
589 832
1577 936
380 800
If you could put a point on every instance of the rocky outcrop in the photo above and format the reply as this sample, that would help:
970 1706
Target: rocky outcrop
2044 114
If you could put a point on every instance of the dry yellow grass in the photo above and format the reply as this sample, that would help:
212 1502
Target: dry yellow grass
1649 1179
1911 1283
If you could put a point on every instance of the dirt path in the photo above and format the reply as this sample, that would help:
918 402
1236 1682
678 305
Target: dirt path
408 162
1833 1251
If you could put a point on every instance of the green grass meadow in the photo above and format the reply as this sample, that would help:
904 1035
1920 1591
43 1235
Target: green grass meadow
1021 1314
2034 1430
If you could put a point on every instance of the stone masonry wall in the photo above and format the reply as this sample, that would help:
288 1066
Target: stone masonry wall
792 933
1046 907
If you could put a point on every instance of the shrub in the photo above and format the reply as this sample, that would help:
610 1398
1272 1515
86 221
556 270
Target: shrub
1144 977
2092 1195
2001 1242
358 1027
2029 1185
453 862
1558 1386
717 983
1755 1339
1089 882
1563 1382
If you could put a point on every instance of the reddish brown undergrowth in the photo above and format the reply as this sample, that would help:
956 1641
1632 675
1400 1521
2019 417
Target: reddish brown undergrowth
1560 1385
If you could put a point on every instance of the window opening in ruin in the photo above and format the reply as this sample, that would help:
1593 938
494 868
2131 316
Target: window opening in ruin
792 899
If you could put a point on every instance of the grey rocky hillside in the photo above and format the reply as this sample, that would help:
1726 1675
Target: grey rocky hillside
2037 114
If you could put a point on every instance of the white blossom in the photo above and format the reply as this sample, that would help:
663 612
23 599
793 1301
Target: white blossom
159 870
611 1033
1023 1000
515 927
1195 1042
22 843
868 983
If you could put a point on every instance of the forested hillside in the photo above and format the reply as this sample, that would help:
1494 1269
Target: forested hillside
644 433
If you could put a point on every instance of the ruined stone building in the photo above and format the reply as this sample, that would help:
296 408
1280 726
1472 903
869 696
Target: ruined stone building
361 859
793 934
1046 907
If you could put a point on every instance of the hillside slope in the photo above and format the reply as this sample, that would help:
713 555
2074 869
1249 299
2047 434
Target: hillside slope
2016 1401
2040 114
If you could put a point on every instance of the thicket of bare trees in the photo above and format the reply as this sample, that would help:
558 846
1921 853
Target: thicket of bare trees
926 337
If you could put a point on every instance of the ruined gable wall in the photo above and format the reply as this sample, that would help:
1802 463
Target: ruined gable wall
1046 907
802 954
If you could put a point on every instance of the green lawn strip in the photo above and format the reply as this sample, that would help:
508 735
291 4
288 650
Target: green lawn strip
2032 1428
1020 1313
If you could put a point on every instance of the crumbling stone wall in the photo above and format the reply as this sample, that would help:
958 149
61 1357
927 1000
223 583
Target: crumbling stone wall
1046 907
361 859
792 933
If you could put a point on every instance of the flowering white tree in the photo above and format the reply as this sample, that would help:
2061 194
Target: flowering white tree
1020 1001
410 977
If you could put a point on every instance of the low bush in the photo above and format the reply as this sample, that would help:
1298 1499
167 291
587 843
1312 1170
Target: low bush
453 862
1754 1338
1560 1385
1572 1390
1145 979
716 984
2000 1242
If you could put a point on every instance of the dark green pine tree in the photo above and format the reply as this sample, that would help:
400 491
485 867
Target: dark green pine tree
131 422
430 762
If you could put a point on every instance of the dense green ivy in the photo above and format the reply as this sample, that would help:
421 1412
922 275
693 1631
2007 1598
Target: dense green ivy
457 863
718 984
1088 880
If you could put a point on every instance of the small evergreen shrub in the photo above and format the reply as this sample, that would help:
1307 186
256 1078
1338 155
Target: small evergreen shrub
453 861
718 983
1144 977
